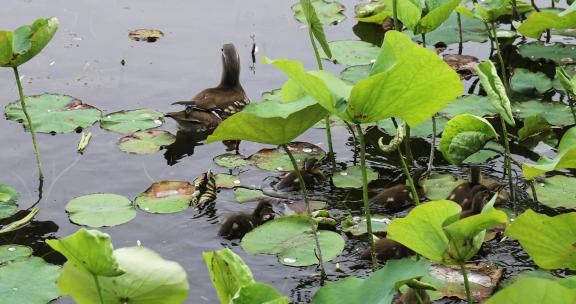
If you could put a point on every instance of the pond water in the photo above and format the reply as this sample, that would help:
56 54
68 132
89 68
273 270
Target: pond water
84 61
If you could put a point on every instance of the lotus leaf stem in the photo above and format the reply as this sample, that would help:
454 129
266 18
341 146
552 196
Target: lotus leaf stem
395 15
29 121
432 146
460 39
500 58
466 283
507 159
308 213
98 288
533 188
409 178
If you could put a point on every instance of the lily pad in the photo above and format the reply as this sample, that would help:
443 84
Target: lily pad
352 177
101 209
329 12
28 281
129 121
146 142
526 82
276 159
290 238
243 195
54 113
353 74
534 290
472 30
8 198
231 160
470 104
557 191
357 225
149 35
352 52
227 181
12 252
439 186
557 52
555 113
22 44
166 197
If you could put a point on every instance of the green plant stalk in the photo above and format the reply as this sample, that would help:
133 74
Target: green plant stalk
98 288
533 188
409 157
21 222
507 161
418 297
409 179
395 14
571 104
29 121
460 39
500 59
308 211
331 156
367 213
466 283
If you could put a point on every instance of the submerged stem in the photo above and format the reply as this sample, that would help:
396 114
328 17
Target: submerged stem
365 196
466 283
29 121
507 159
308 213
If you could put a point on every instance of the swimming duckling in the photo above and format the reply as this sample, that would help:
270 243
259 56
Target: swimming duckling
480 196
387 249
311 173
398 197
211 106
463 193
237 225
411 297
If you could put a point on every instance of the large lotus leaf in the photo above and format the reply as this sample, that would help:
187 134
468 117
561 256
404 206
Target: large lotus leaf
90 250
54 113
534 290
101 209
525 82
352 177
290 237
490 150
495 89
357 225
276 108
28 281
145 142
472 30
276 159
422 230
422 130
307 8
276 130
228 273
408 12
259 293
26 41
8 199
470 104
353 74
12 252
166 197
465 135
327 12
352 52
129 121
540 21
557 52
548 240
148 279
557 191
556 113
379 288
339 88
434 18
566 157
439 186
419 79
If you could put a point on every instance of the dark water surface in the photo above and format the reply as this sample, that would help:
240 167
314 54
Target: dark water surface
84 60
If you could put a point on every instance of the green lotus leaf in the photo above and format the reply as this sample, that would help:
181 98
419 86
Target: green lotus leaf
276 108
525 82
439 186
565 158
129 121
352 52
540 21
101 209
28 281
535 129
470 104
259 293
495 89
353 74
556 113
327 12
472 30
227 181
146 142
557 191
231 160
308 9
276 159
485 154
534 290
352 177
568 82
465 135
166 197
8 201
557 52
408 12
12 252
25 42
436 16
244 195
357 225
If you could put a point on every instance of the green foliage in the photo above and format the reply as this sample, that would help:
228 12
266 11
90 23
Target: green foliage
8 201
353 74
472 30
490 11
166 197
465 135
565 158
25 42
276 159
234 283
231 160
557 52
379 287
351 52
101 209
12 252
568 82
28 281
243 195
557 191
146 142
439 186
556 113
291 238
469 104
540 21
328 12
536 129
314 24
525 82
411 15
495 89
129 121
352 177
357 225
535 290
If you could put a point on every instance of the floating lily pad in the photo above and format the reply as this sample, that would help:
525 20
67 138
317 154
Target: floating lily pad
129 121
471 104
166 197
231 160
526 82
352 52
291 239
352 177
557 52
146 142
329 12
275 159
555 113
422 130
355 73
12 252
357 225
54 113
149 35
439 186
28 281
557 191
101 209
243 195
227 181
472 30
8 198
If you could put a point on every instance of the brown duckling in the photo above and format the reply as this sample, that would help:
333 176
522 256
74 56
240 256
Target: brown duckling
414 296
311 173
398 197
237 225
480 196
387 249
463 193
211 106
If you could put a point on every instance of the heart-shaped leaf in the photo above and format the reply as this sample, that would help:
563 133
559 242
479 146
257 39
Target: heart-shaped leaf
465 135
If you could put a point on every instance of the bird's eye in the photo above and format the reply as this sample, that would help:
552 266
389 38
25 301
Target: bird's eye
222 50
